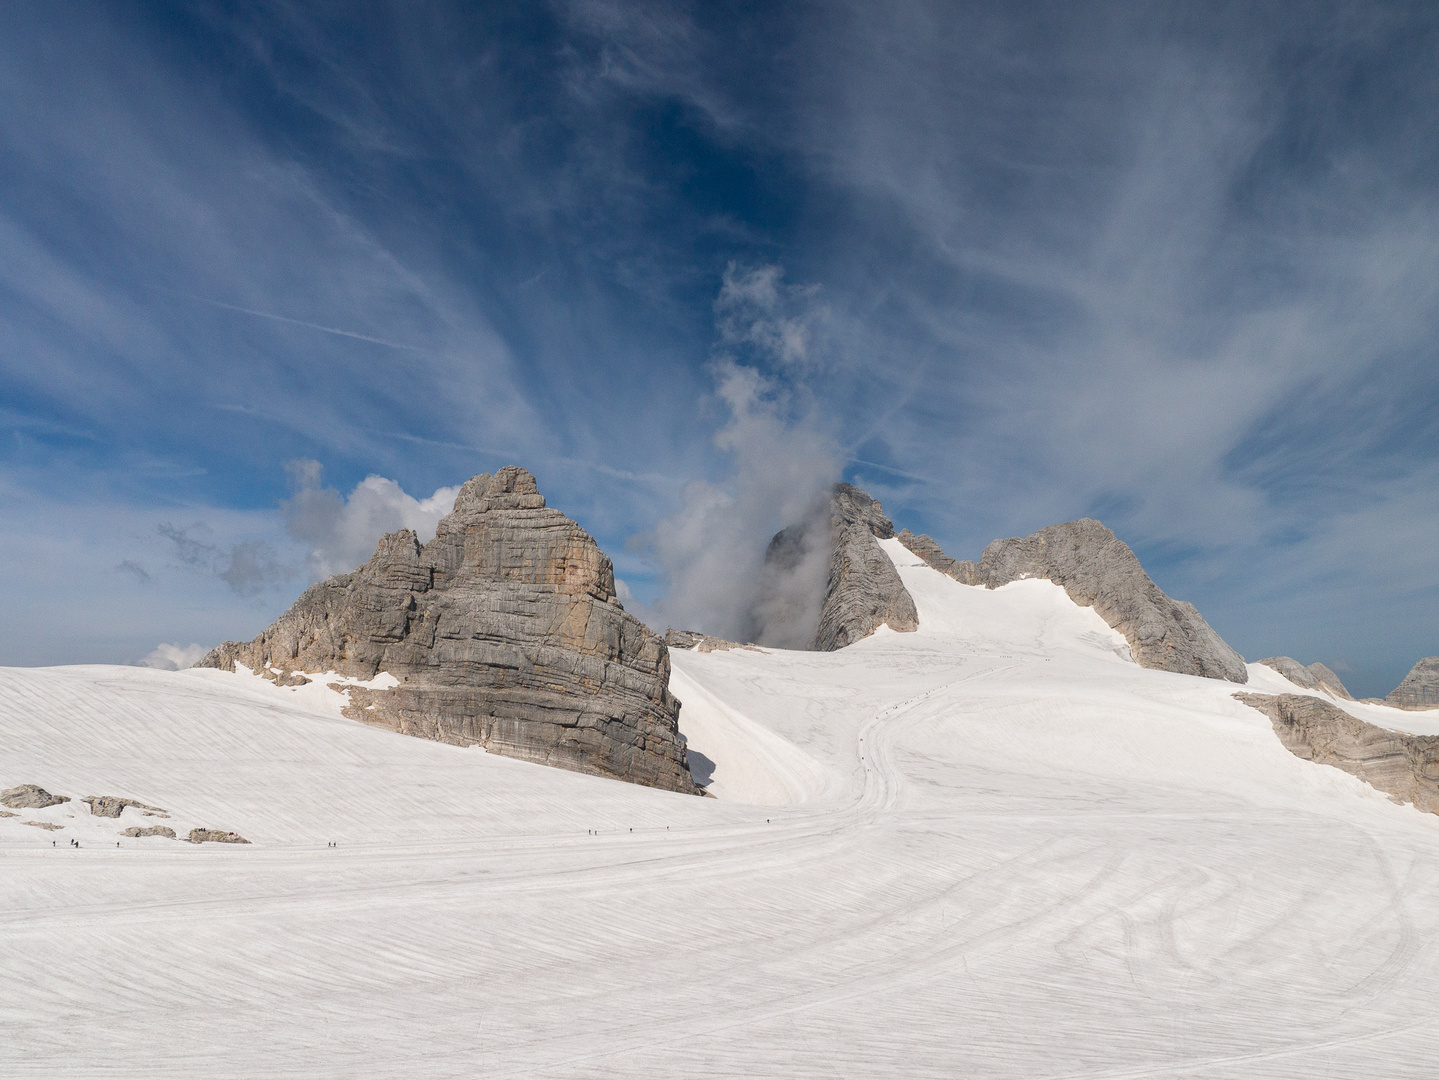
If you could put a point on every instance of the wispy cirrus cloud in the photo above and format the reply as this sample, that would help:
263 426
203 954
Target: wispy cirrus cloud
1171 267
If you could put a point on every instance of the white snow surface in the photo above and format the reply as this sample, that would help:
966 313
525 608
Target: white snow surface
991 848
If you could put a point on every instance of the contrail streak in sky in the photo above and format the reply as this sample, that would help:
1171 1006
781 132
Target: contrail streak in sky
299 322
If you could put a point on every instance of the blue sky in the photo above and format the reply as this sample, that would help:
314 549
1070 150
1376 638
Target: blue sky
1172 266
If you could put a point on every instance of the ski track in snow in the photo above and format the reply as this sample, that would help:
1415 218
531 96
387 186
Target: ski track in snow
991 848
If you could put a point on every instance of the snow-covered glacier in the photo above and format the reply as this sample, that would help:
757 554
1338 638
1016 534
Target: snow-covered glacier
992 847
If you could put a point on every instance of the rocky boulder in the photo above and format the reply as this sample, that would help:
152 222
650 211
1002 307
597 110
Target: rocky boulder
205 836
151 830
1420 688
1313 677
1098 570
113 805
1403 766
504 631
30 797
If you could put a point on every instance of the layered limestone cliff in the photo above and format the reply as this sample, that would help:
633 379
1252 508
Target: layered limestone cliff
863 590
1403 766
504 631
1420 688
1313 677
1098 570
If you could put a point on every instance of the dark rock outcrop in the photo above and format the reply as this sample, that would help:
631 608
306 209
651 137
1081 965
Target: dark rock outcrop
1420 688
1098 570
863 589
30 797
151 830
504 631
1403 766
1313 677
113 805
210 836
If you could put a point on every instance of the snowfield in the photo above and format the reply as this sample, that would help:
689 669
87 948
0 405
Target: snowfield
992 848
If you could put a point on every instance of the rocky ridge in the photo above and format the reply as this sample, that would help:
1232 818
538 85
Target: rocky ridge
1420 688
504 631
1099 570
1314 677
1403 766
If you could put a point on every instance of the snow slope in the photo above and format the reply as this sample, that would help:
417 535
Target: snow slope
991 848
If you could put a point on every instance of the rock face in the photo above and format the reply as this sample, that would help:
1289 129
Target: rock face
152 830
113 805
864 589
1420 688
1403 766
1098 570
504 631
30 797
1313 677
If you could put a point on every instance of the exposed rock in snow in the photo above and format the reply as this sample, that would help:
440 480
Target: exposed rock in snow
1098 570
50 825
503 631
30 797
207 836
112 805
151 830
966 573
1314 677
1401 765
863 590
692 639
1420 688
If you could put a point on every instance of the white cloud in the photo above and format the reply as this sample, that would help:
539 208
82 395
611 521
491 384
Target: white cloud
174 657
713 549
343 531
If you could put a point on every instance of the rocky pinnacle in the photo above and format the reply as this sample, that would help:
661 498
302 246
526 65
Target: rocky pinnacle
504 631
864 589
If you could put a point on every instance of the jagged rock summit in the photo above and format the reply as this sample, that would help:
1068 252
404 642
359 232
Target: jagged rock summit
504 631
1420 688
1098 570
1314 677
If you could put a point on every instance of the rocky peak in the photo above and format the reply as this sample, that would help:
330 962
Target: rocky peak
1314 677
503 631
1420 688
863 590
848 505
